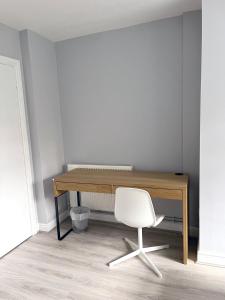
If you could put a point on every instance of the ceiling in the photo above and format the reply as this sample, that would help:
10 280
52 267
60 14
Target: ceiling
64 19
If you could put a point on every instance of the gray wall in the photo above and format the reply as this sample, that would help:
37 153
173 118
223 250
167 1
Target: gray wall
120 93
41 79
191 106
9 42
122 98
128 96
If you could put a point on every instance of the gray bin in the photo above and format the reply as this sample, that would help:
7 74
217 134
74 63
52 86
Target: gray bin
79 216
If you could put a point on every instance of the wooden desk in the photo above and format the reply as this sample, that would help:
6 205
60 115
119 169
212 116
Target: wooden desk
166 186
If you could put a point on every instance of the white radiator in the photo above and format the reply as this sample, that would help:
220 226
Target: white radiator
101 205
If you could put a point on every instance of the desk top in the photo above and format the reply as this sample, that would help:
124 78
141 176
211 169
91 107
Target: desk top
124 178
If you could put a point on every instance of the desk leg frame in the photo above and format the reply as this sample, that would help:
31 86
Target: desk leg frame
78 199
60 238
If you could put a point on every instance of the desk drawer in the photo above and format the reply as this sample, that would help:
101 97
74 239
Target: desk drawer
170 194
165 193
83 187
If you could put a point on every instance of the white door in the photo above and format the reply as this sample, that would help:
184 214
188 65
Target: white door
15 217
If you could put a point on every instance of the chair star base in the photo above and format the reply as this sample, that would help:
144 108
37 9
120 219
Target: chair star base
139 250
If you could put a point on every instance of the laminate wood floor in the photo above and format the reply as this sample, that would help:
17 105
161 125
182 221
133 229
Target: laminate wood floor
75 268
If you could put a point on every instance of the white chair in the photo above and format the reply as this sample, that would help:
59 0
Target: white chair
134 208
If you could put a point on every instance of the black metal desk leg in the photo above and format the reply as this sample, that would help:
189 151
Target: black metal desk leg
58 223
78 199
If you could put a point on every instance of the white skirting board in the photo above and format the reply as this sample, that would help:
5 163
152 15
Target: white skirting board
109 217
165 225
52 224
211 259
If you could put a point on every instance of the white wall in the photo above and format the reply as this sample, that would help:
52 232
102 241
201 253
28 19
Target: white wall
212 135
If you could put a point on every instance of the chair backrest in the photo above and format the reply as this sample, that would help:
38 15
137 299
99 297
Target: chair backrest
134 207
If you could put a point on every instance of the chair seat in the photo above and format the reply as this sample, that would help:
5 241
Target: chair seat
159 219
134 208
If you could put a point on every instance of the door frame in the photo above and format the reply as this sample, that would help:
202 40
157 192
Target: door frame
26 141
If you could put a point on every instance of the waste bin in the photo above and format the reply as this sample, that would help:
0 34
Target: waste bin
79 216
